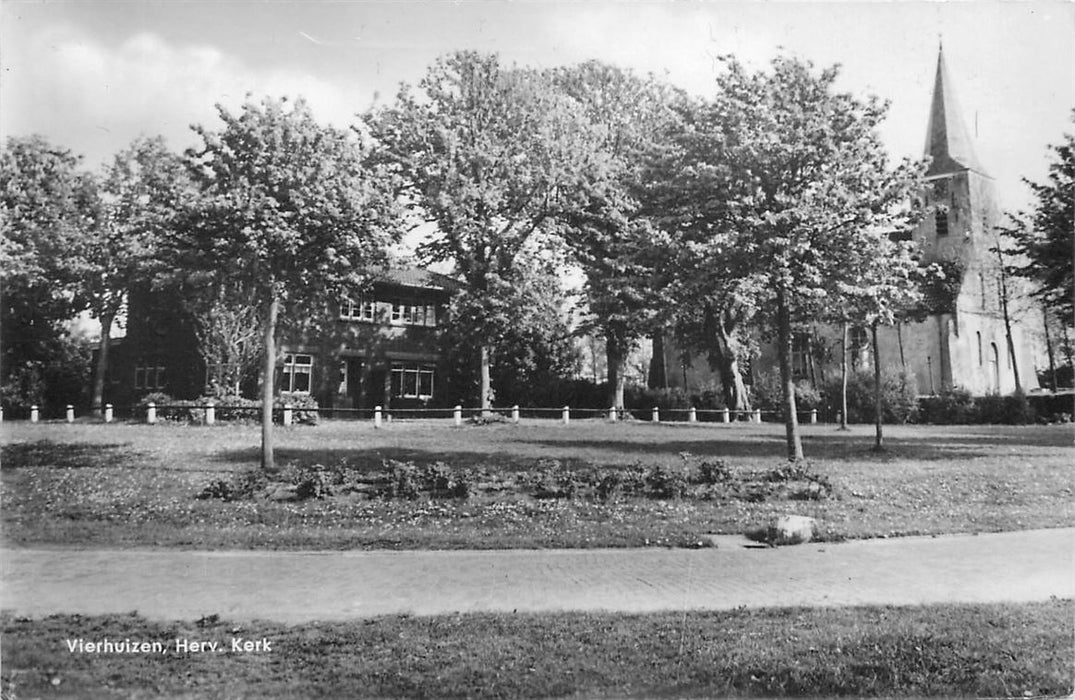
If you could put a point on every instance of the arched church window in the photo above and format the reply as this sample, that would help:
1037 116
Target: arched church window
940 220
981 359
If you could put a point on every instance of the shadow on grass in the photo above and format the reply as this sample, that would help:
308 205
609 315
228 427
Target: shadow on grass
835 448
67 455
370 460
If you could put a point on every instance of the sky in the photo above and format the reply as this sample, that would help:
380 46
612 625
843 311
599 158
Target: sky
93 75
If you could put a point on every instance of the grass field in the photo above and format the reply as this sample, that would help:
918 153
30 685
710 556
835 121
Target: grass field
954 650
135 485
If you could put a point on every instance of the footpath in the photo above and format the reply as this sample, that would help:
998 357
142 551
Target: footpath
294 587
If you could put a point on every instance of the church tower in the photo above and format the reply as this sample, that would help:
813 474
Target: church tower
969 344
960 195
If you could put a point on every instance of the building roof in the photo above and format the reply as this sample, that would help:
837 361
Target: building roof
947 140
418 278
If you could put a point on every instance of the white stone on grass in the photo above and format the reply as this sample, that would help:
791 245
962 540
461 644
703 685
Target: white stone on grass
791 529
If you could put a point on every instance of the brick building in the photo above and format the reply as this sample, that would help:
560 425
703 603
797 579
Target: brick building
376 348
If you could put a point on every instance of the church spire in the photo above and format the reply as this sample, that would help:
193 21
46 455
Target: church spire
947 141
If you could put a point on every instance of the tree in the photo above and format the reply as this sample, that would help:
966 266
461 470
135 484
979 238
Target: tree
883 285
485 154
809 195
48 205
229 337
141 194
1045 237
290 211
715 301
610 217
535 348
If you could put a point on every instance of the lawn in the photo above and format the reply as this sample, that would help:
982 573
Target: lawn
537 484
950 650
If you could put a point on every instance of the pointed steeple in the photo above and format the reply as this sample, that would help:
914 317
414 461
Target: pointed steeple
947 141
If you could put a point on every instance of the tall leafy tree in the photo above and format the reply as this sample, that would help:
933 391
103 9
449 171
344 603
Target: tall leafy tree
289 209
1037 246
485 153
1046 236
809 191
535 348
611 216
883 285
716 302
48 207
141 191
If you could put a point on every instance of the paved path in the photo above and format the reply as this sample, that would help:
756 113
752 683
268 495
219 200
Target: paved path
296 587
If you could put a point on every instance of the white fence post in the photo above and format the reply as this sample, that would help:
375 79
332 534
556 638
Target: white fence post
692 415
656 415
839 418
515 413
757 415
70 413
35 415
612 413
210 413
813 415
108 413
457 414
725 414
376 416
289 417
566 414
151 413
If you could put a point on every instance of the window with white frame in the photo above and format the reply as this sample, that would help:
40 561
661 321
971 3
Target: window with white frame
361 309
407 312
297 372
148 377
412 381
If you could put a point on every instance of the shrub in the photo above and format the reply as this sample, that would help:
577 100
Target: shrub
708 400
642 399
1052 408
899 399
402 480
437 478
713 472
232 408
1012 410
240 487
666 483
951 406
609 485
304 407
768 393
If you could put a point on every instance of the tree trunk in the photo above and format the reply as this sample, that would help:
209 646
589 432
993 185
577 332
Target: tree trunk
843 376
810 360
1067 348
268 375
899 339
731 379
878 409
791 420
1003 289
616 358
486 383
99 372
1049 348
658 370
1008 336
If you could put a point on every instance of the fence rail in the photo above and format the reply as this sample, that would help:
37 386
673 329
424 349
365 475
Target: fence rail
211 413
